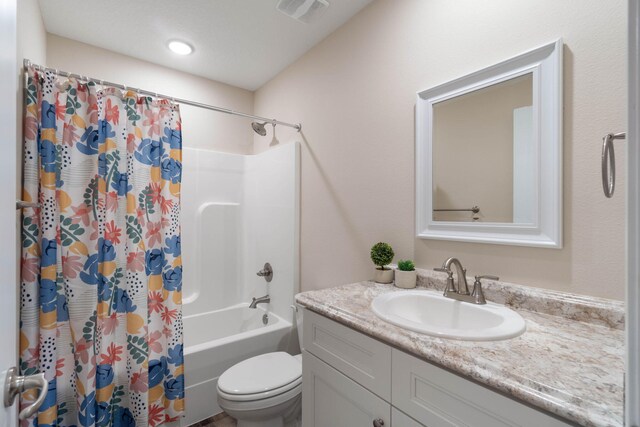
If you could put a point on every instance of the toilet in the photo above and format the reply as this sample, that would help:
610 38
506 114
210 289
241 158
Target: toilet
265 390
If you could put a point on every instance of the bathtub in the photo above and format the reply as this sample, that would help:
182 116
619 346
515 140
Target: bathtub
216 340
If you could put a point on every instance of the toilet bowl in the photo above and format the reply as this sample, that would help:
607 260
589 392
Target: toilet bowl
263 391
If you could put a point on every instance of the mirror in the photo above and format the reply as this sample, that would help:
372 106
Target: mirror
489 154
489 126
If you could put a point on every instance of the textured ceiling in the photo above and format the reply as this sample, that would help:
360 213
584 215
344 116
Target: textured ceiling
244 43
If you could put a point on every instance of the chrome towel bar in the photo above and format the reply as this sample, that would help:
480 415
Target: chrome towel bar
474 209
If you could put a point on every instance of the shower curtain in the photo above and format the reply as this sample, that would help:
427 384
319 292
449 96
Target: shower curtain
101 269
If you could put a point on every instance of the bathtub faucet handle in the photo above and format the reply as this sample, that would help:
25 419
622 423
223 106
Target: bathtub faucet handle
266 272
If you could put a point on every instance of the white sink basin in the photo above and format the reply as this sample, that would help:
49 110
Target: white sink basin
431 313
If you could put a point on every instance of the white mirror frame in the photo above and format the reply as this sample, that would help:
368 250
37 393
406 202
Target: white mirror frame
545 63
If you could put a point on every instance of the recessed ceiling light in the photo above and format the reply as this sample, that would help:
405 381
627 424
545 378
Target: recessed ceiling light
181 48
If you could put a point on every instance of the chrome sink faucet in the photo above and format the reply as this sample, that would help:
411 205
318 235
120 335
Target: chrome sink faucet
262 300
460 290
461 273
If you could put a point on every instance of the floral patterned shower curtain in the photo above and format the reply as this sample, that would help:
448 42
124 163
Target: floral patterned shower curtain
101 266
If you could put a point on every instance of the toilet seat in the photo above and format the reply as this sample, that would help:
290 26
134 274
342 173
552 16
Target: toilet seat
266 376
273 401
280 391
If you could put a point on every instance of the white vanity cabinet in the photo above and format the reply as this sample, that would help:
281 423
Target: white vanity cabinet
353 380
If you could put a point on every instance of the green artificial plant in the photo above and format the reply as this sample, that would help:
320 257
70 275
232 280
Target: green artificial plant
381 255
406 265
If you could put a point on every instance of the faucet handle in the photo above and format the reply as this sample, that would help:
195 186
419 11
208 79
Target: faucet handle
478 294
450 287
266 272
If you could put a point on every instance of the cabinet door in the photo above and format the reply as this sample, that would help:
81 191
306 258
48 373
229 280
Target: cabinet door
330 399
359 357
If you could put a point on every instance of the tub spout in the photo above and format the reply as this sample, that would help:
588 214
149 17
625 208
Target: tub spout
262 300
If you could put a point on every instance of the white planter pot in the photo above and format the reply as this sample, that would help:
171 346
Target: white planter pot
406 279
383 276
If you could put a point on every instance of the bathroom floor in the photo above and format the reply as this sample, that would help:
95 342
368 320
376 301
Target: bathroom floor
220 420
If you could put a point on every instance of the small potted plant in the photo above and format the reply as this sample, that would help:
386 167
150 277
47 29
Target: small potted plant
382 255
406 274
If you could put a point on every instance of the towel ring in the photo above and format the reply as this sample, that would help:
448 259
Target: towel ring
609 163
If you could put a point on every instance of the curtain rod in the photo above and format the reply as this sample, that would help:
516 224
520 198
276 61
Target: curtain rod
28 63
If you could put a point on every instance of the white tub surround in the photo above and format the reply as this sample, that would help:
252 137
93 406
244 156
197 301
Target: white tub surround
238 213
569 362
272 224
212 224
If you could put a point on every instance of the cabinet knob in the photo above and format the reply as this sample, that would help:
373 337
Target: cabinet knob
378 422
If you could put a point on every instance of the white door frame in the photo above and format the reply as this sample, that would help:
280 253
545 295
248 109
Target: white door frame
8 226
632 392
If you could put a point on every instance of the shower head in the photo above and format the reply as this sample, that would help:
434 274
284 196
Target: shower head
259 128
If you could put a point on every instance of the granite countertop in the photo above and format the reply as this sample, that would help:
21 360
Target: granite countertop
569 362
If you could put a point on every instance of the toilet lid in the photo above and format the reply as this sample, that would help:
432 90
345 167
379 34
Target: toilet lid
261 373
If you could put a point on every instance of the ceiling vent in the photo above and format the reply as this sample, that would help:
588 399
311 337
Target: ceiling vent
305 11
